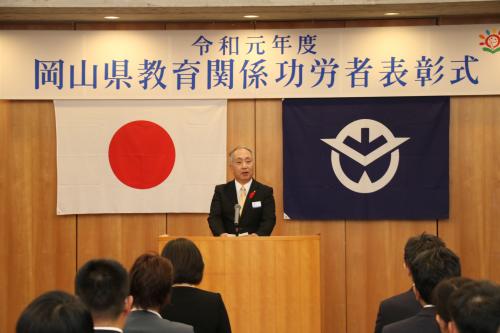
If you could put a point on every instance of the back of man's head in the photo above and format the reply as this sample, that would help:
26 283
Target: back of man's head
103 285
432 266
475 307
55 312
418 244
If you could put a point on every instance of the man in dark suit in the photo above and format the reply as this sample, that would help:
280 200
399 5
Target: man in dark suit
405 305
257 216
103 286
428 269
151 279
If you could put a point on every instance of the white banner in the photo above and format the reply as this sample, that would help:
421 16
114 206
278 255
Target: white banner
218 64
139 156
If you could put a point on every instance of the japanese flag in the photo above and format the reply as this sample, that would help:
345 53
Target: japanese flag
139 156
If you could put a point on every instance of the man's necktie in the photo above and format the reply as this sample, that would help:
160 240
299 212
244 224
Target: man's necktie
243 196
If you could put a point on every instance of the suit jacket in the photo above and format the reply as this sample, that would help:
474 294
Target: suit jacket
396 308
147 322
422 322
203 310
258 215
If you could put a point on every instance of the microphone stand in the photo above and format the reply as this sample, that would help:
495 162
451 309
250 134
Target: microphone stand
237 208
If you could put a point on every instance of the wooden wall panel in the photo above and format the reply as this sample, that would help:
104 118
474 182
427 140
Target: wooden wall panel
188 225
38 250
119 236
473 229
269 152
374 266
5 214
333 268
269 163
240 125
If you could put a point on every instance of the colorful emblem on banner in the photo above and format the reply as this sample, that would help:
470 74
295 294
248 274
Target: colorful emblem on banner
491 41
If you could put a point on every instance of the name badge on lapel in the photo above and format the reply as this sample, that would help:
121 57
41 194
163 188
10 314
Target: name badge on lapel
256 204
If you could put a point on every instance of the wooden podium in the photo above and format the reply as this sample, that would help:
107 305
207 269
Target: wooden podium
268 284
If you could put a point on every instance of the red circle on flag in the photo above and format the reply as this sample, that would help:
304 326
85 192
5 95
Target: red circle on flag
141 154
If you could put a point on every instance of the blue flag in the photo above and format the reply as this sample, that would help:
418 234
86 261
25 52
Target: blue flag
366 158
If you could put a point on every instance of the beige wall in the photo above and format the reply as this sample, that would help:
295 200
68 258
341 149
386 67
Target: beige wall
361 260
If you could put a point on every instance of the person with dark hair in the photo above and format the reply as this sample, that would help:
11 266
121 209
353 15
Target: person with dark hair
441 296
103 286
151 278
475 308
428 269
257 211
55 312
203 310
405 305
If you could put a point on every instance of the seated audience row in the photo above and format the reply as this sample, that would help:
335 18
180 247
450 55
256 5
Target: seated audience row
405 305
440 300
108 299
159 294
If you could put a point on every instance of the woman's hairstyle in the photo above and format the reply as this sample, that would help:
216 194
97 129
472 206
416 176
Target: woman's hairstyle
55 312
151 278
186 259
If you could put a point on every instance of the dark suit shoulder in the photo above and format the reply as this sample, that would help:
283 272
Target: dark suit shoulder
204 310
179 327
424 321
222 186
404 303
396 308
190 294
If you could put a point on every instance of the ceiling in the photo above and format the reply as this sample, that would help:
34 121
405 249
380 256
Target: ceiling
13 13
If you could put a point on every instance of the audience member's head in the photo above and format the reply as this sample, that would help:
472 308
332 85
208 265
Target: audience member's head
186 259
418 244
103 285
475 308
441 296
151 278
431 267
55 312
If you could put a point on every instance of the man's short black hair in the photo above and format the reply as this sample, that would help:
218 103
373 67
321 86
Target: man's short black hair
186 259
475 307
103 285
431 267
442 292
418 244
55 312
